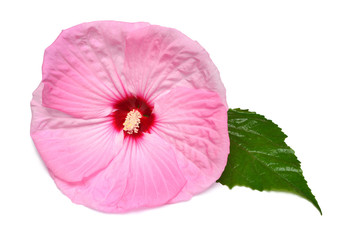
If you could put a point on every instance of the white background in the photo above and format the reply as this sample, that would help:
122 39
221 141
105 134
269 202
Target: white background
284 59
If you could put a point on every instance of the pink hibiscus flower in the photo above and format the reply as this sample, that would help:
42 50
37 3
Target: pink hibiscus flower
129 115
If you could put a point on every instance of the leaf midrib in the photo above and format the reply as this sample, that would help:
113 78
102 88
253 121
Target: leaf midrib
259 161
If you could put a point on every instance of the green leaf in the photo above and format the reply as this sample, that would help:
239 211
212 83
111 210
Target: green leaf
260 159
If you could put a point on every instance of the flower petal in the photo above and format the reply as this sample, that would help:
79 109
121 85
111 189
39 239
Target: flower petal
144 174
72 149
195 122
158 59
82 69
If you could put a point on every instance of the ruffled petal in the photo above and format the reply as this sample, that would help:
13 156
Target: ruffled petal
158 59
72 149
144 174
82 69
194 121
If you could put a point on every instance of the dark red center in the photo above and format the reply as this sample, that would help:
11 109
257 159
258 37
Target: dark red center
126 105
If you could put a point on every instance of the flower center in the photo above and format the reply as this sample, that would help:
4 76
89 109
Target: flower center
133 115
132 122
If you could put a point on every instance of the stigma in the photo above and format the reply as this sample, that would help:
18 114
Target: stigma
132 122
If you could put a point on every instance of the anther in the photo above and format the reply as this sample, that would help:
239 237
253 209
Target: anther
132 122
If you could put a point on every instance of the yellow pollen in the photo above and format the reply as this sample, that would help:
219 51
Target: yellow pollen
132 122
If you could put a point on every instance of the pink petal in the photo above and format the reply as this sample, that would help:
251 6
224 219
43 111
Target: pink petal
72 149
194 121
144 174
158 59
82 69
